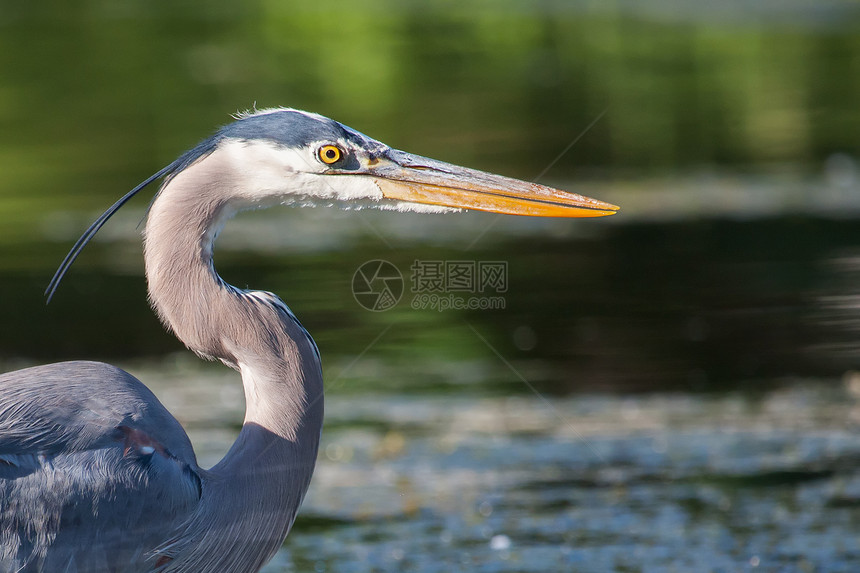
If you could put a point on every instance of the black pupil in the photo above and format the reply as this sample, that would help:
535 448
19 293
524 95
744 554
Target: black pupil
331 153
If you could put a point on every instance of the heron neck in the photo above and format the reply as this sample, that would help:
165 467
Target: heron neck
258 486
252 332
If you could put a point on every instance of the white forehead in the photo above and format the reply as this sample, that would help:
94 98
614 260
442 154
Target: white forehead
260 156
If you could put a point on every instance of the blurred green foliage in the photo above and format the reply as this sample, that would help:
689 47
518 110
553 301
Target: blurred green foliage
96 93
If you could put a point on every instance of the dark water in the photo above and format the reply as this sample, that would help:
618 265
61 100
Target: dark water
697 306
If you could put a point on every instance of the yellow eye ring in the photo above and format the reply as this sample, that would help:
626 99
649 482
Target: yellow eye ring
329 154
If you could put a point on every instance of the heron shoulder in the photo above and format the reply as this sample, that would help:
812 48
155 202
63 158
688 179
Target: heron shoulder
86 439
76 406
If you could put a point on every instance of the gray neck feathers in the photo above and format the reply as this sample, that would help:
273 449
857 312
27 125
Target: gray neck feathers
249 498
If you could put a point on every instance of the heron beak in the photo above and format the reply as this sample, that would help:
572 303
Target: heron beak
406 177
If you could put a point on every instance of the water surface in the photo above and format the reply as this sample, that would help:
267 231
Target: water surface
596 482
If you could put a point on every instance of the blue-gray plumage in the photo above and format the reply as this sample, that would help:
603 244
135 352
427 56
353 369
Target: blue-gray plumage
71 442
96 475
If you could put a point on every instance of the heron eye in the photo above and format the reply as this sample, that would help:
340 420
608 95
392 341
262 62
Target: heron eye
330 154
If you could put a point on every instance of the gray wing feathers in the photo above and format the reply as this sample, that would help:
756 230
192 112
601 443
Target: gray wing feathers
94 471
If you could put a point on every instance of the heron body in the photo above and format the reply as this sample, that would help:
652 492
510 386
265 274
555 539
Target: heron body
95 473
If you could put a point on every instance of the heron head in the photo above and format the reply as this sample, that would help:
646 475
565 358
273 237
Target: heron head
292 156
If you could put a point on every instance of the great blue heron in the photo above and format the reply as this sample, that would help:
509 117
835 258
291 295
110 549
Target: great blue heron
96 475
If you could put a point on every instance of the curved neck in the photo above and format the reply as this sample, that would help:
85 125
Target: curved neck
255 491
